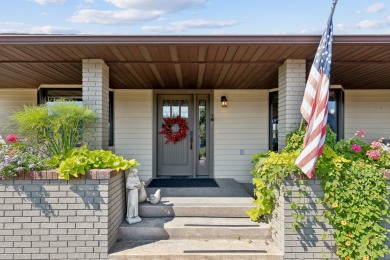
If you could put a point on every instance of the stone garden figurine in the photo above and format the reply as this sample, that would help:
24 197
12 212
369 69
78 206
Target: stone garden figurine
142 193
133 184
155 198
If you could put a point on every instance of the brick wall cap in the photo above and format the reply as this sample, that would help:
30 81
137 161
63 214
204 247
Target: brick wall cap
94 174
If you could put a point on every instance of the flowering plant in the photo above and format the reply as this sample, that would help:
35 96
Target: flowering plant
18 158
11 138
355 148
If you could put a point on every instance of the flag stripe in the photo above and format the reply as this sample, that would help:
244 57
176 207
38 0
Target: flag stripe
314 108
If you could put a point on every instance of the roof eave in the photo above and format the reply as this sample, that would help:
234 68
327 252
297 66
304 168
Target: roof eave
186 39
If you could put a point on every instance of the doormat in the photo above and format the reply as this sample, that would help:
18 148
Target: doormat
183 183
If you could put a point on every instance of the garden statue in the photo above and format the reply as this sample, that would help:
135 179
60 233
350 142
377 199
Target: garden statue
133 184
155 198
142 193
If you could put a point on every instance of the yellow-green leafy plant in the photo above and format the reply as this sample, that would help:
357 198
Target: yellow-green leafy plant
81 159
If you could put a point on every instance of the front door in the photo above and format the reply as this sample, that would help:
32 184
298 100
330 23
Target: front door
186 157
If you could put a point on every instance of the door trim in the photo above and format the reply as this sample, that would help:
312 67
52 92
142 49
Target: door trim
193 92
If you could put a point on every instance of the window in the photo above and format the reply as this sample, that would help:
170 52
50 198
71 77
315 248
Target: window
336 112
273 124
335 116
111 118
76 94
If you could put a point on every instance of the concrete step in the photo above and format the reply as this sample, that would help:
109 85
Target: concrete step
194 228
227 207
196 250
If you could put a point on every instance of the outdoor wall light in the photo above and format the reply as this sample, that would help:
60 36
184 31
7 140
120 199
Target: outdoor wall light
224 101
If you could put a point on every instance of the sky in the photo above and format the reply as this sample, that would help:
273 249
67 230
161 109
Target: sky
192 17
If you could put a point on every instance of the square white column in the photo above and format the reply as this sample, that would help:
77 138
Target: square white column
96 96
292 82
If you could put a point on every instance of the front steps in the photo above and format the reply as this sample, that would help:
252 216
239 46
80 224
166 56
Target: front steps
187 225
194 228
232 207
196 250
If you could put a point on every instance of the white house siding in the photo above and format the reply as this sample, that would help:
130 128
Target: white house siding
367 110
241 125
11 100
133 117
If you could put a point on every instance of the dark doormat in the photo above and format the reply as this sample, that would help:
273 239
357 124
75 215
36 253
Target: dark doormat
182 183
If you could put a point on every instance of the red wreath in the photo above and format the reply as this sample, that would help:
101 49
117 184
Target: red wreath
168 132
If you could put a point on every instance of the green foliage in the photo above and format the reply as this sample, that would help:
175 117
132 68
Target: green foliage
294 140
356 196
355 191
82 159
60 124
271 169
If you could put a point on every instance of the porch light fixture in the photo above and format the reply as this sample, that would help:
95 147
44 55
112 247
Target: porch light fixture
224 101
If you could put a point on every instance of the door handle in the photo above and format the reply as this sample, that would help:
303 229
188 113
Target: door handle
191 139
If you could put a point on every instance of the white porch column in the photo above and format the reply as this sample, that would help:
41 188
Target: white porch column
292 81
96 97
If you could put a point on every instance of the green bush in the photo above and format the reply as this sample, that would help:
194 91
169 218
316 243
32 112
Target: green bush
61 125
355 190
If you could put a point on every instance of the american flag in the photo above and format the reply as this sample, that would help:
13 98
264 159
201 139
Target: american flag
314 108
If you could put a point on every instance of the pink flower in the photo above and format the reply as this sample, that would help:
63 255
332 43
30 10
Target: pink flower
360 132
11 138
374 154
356 148
376 144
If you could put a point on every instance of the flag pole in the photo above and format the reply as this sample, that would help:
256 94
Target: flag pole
330 17
334 7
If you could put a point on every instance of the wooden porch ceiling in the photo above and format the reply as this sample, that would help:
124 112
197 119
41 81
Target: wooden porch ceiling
188 62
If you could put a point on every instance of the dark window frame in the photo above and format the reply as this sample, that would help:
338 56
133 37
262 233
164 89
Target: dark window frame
271 96
111 118
339 98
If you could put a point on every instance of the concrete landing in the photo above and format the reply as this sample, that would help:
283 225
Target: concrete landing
196 250
227 188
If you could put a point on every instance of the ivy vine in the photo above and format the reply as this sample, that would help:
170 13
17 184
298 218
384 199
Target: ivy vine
355 191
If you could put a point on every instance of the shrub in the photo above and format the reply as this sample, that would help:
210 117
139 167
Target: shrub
355 190
62 124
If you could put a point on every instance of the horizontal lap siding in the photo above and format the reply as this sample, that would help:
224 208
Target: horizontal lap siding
11 100
367 110
133 127
242 125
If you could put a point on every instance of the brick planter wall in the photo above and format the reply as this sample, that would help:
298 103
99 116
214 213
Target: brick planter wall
307 242
42 217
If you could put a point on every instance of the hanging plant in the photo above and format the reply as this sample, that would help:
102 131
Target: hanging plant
168 131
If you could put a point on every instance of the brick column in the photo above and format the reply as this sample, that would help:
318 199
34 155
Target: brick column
292 81
96 97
